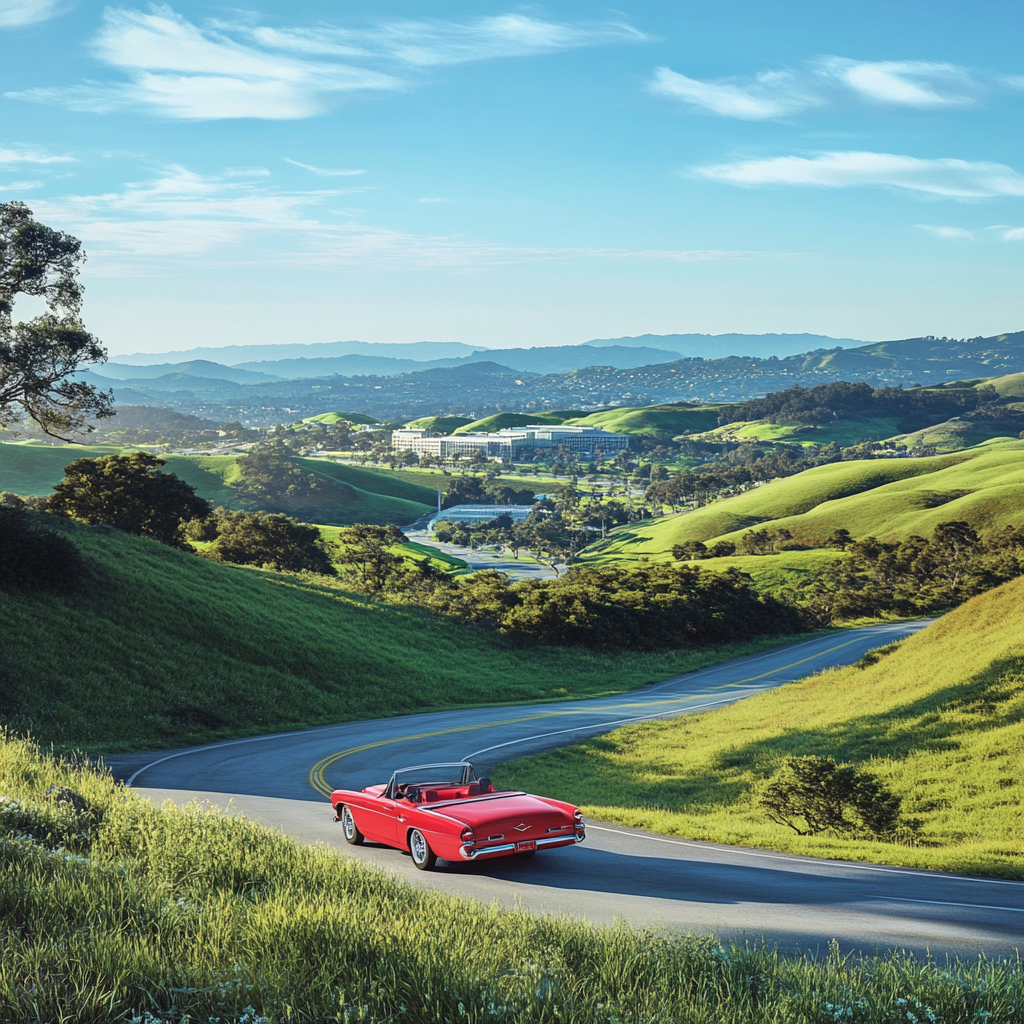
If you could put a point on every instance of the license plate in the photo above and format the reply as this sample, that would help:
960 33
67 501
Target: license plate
530 844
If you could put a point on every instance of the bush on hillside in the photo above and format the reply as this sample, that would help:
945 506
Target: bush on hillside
650 608
259 538
271 480
821 796
129 493
33 557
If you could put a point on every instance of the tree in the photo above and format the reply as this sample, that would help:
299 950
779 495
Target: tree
38 356
839 539
367 549
689 550
270 477
129 492
257 538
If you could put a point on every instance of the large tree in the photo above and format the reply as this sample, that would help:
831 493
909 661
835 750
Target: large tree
129 492
256 538
39 355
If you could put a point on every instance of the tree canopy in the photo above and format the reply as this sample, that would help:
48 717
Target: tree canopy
256 538
129 492
39 355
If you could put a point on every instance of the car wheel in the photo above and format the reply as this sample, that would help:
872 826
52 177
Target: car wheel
349 827
422 855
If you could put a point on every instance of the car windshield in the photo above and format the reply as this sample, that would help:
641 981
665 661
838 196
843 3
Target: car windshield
433 776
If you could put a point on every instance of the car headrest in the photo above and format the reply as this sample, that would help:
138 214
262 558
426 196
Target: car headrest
485 785
430 795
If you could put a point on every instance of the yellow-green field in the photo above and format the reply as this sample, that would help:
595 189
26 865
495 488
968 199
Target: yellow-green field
653 420
940 720
887 498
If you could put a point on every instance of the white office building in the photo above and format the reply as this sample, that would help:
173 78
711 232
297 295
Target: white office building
511 443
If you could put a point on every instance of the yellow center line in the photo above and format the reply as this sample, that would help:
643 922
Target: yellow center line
319 783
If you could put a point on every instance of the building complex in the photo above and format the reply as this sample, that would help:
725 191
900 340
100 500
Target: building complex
510 444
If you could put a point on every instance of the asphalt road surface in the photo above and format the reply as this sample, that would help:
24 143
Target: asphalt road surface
618 873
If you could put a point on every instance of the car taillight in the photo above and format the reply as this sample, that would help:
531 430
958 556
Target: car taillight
578 814
467 834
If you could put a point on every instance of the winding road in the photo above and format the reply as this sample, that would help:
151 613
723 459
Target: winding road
618 873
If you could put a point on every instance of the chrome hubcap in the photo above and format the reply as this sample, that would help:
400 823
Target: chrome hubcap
348 823
418 847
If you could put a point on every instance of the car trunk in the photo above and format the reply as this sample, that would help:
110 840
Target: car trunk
505 814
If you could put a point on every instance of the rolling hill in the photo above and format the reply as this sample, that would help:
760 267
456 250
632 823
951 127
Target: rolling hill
889 498
360 497
501 420
939 720
653 420
158 647
439 424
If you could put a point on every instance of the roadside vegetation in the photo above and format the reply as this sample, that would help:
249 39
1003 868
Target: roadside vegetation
113 909
937 720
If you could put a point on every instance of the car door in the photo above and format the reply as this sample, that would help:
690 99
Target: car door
379 822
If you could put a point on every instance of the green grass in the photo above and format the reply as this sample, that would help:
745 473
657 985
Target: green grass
889 498
366 498
844 432
163 648
653 420
940 720
337 417
439 424
410 550
501 420
1010 386
153 914
955 434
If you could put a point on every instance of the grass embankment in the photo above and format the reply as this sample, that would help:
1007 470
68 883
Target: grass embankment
501 420
940 720
163 648
127 911
843 432
889 498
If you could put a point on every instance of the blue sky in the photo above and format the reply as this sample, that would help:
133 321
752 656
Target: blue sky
503 174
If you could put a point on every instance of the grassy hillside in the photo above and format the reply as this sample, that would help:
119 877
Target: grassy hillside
1010 386
162 648
653 420
366 497
890 498
940 720
844 432
170 914
501 420
440 424
337 417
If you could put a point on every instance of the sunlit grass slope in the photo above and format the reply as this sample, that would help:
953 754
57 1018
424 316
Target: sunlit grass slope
336 417
843 432
501 420
653 420
140 913
890 498
1010 386
383 484
439 424
941 720
163 648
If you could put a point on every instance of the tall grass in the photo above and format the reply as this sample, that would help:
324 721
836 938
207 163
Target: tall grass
940 720
127 912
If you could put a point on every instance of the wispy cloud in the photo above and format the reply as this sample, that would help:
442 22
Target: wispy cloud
945 231
236 70
231 219
15 13
958 179
322 171
19 186
770 94
430 43
30 155
1007 233
907 83
433 199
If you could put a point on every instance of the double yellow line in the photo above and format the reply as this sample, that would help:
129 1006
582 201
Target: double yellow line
320 784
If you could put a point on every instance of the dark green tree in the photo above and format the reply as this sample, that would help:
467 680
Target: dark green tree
39 355
129 492
271 480
689 550
366 551
260 538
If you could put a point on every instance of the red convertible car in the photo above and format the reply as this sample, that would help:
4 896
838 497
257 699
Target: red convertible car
444 810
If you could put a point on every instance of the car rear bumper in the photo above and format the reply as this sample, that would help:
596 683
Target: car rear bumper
470 852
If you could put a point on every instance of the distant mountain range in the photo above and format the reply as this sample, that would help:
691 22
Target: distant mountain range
477 386
355 358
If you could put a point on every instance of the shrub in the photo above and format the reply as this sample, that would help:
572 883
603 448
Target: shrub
257 538
827 796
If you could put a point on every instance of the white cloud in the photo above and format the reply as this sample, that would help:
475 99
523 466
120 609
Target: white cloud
431 43
31 155
233 70
15 13
1011 234
19 186
322 171
769 94
433 199
945 231
908 83
959 179
239 220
